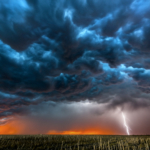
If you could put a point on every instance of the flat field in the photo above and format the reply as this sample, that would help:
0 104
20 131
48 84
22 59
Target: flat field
74 142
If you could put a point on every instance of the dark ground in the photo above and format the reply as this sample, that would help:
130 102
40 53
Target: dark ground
74 142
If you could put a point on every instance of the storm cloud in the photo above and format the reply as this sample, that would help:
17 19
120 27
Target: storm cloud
71 51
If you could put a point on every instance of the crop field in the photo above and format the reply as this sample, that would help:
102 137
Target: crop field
74 142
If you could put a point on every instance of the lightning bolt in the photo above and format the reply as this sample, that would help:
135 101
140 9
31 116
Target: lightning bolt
125 123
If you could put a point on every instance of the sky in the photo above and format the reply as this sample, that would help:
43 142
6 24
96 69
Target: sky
73 67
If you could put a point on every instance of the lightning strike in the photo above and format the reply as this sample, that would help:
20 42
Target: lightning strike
125 124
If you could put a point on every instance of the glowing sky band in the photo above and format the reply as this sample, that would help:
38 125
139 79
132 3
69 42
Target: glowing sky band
125 124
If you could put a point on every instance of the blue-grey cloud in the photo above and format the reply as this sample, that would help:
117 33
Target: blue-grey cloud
73 51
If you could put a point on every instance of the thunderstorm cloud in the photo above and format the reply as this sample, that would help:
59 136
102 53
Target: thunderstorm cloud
71 51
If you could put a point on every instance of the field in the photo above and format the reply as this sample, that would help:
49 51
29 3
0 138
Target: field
74 142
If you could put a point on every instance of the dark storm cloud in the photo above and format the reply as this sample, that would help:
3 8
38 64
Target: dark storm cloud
142 77
73 50
88 11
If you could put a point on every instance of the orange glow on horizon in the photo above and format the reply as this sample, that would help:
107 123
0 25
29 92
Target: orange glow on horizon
10 128
82 132
19 127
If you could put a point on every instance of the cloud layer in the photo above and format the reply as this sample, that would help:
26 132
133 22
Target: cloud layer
71 51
